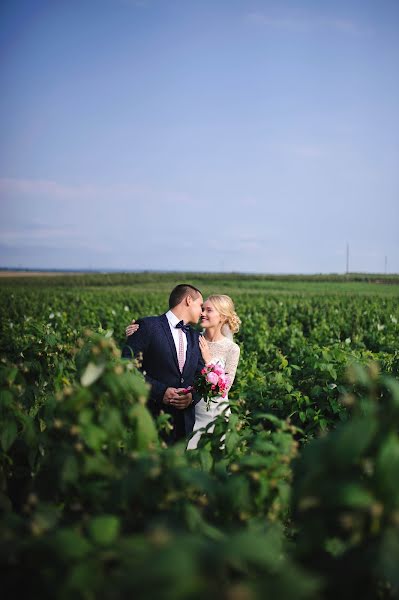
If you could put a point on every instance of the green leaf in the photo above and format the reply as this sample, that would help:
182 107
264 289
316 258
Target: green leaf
51 340
351 439
237 490
284 362
12 375
6 398
145 431
94 436
71 545
388 558
85 416
206 459
354 496
112 423
232 439
393 386
70 470
84 580
104 530
387 467
8 434
247 547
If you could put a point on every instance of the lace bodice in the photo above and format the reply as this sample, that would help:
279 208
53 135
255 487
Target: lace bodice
228 353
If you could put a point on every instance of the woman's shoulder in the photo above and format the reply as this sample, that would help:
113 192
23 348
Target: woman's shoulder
232 346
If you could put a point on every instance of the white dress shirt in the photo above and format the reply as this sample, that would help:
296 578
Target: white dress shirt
173 321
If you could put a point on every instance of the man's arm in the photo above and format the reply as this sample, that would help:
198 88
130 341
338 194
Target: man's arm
137 344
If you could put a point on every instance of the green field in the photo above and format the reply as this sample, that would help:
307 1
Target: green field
301 501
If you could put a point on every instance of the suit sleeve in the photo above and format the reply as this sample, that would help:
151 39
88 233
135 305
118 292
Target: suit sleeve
138 341
137 344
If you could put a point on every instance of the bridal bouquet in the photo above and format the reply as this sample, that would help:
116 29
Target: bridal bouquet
211 383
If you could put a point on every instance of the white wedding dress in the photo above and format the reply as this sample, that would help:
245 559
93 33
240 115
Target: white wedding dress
226 353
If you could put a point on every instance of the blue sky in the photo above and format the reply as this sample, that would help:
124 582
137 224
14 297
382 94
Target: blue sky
230 135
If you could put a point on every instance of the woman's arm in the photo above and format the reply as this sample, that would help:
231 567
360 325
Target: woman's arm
132 328
231 364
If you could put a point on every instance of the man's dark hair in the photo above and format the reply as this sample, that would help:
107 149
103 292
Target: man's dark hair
181 291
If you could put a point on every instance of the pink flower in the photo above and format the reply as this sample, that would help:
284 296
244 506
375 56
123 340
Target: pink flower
218 370
222 379
212 378
203 371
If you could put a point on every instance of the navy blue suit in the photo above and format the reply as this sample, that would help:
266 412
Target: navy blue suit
154 340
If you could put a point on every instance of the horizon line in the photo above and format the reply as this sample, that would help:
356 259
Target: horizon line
132 271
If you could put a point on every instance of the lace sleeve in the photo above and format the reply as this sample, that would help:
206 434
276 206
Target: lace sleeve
231 363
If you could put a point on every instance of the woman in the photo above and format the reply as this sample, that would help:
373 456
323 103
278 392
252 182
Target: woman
219 321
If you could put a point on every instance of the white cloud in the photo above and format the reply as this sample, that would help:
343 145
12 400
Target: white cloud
304 150
40 214
53 190
39 234
66 237
58 191
306 24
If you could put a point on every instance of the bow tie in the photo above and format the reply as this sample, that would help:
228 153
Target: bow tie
182 326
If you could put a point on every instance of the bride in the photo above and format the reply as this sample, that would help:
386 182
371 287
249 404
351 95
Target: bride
219 321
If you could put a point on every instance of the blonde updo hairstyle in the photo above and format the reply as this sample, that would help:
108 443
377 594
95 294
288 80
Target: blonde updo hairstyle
225 307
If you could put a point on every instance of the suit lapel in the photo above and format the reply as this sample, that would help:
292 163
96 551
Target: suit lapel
191 341
189 350
169 337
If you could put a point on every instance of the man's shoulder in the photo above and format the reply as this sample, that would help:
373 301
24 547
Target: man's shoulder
151 320
152 324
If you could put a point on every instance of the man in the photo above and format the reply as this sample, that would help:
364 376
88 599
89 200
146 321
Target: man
171 358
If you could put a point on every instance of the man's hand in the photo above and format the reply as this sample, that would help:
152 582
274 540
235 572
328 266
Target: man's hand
181 401
169 395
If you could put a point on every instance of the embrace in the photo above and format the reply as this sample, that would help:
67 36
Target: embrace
173 354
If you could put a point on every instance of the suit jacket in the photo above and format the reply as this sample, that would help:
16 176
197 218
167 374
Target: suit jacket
154 340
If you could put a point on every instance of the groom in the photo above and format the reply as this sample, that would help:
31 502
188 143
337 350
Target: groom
171 358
